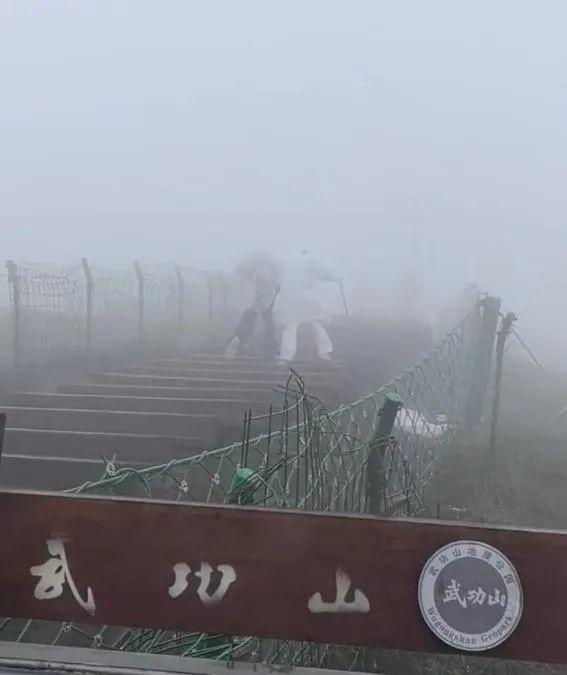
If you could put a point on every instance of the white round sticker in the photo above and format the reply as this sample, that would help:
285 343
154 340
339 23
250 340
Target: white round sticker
470 596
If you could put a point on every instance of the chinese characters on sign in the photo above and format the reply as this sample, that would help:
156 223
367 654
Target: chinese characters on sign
470 596
359 605
55 573
469 593
476 596
182 571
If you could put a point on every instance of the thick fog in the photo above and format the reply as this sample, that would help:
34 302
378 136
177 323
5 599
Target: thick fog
379 134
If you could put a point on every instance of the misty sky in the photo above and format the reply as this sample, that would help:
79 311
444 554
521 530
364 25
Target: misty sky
193 130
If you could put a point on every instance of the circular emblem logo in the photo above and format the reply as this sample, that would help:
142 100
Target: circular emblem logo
470 596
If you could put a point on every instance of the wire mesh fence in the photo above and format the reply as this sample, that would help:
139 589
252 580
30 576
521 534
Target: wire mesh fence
79 308
49 302
6 335
114 307
297 456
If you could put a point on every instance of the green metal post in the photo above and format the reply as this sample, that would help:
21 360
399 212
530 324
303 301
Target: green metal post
374 469
480 377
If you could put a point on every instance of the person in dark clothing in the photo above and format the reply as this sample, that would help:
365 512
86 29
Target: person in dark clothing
264 271
245 329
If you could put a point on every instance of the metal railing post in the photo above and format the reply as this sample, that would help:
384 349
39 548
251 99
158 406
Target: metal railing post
2 430
376 480
480 377
13 281
505 328
89 303
140 278
374 469
210 296
180 300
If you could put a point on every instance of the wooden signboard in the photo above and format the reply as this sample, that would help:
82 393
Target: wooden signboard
243 571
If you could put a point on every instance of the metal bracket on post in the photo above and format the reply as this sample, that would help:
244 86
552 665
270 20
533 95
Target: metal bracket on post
374 467
89 307
13 281
480 377
140 278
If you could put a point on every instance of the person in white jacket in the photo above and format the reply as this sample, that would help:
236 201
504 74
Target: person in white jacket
300 303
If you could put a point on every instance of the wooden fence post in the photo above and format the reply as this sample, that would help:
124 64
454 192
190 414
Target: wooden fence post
374 467
505 328
140 278
14 283
480 376
89 308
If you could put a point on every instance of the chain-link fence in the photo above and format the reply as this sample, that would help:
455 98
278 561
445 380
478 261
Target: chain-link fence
47 307
6 334
114 309
64 310
298 456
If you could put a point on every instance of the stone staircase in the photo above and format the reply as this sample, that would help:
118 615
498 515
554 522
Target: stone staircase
166 409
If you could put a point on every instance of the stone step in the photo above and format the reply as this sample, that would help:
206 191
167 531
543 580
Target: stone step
143 448
111 421
328 395
264 376
223 409
191 382
196 356
137 390
240 365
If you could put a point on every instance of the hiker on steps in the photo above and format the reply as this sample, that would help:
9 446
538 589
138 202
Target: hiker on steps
300 303
262 272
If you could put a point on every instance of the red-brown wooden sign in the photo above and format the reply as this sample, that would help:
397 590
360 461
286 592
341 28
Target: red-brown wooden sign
244 571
